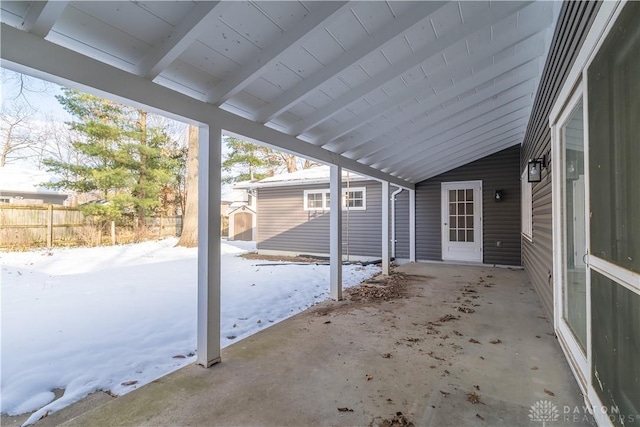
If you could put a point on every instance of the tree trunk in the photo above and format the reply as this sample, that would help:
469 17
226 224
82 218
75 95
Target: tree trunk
141 223
290 161
189 236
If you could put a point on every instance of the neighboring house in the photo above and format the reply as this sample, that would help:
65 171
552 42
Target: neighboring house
293 214
20 186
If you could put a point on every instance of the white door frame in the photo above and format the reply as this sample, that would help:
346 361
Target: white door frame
578 359
472 255
575 85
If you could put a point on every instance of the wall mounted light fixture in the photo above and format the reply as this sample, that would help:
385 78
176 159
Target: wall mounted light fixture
534 169
499 195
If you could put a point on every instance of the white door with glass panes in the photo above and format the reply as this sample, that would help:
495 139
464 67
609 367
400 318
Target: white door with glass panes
462 221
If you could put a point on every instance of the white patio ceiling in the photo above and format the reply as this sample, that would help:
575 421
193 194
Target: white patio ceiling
409 89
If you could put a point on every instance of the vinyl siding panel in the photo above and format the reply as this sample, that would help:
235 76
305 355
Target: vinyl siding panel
501 220
573 25
284 225
402 224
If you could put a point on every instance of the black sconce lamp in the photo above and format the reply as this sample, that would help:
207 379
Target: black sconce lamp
499 196
534 169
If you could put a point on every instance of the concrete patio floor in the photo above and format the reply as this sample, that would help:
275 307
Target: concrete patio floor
374 359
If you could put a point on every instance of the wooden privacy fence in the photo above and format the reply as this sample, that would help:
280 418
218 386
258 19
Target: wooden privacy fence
53 225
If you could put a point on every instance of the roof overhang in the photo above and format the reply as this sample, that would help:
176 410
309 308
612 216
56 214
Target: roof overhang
398 91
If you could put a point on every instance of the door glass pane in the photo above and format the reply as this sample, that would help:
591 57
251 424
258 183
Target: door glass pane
452 236
469 208
452 195
461 236
452 209
469 235
574 244
469 195
615 319
614 147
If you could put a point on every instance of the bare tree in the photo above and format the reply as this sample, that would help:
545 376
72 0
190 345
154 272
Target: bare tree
19 139
189 236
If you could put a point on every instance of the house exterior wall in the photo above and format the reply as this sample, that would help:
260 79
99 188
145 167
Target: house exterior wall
284 225
573 25
501 220
25 198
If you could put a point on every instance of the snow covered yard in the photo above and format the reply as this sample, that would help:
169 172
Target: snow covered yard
115 318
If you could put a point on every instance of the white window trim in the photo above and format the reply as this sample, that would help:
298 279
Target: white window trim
353 190
326 198
526 199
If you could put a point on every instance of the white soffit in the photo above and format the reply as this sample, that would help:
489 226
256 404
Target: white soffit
409 89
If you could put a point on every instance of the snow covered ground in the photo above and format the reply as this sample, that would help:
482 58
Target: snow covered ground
114 318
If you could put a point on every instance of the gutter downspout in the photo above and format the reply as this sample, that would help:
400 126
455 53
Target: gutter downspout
393 221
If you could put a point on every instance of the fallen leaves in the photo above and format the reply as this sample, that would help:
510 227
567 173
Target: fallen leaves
480 416
345 409
495 341
231 337
447 318
387 356
549 392
445 393
457 333
128 383
473 398
467 310
475 341
368 377
398 420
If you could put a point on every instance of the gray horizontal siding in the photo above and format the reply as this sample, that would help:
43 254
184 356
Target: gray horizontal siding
573 25
284 225
402 224
501 220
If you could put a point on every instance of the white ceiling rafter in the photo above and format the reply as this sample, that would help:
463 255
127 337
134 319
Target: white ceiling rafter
180 38
429 170
487 17
42 16
251 71
506 113
439 146
517 86
26 53
460 88
416 14
514 98
456 148
393 102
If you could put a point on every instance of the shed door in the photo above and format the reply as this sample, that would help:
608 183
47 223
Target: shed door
243 226
461 221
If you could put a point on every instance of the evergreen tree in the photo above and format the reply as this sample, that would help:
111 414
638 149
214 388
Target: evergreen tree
247 161
126 164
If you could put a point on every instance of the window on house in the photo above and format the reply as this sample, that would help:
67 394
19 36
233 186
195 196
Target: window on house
527 207
355 198
315 200
352 199
5 200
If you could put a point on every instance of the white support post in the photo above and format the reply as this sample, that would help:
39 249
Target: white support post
412 225
335 232
209 245
385 228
